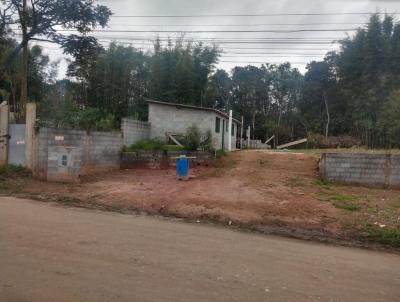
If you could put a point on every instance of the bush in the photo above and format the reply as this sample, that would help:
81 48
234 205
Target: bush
12 170
195 140
192 138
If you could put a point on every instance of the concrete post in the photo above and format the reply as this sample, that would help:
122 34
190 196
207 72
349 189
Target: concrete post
230 131
248 137
30 134
4 121
241 133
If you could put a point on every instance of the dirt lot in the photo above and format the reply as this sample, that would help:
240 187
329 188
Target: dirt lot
257 190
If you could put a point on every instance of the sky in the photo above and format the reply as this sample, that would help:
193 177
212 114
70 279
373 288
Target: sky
240 48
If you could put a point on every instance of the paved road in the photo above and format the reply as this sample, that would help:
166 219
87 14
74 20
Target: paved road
51 253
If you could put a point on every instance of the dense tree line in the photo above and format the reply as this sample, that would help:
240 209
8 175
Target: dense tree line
352 92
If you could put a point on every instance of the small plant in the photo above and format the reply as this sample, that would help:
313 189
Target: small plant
220 153
207 144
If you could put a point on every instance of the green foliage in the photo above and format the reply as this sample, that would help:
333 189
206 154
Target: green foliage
63 113
220 153
193 138
9 171
389 121
385 235
146 145
345 202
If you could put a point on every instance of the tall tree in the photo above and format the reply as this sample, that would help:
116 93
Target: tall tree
41 20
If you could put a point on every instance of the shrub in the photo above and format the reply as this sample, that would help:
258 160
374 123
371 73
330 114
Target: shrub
195 139
192 138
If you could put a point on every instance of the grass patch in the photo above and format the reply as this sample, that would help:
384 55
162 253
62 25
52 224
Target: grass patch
395 203
387 236
295 182
322 183
341 201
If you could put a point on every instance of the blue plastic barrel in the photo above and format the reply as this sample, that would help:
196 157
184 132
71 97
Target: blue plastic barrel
182 168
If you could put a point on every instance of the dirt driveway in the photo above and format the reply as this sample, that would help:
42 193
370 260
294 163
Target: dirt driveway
266 191
51 253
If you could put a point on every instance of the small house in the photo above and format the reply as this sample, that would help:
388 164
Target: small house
175 119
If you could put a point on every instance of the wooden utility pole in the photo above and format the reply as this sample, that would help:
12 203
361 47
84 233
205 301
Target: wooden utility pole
24 63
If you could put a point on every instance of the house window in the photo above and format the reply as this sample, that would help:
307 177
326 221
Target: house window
233 130
217 125
64 160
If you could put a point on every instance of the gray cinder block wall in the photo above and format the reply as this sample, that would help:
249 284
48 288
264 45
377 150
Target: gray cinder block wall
368 169
65 155
134 131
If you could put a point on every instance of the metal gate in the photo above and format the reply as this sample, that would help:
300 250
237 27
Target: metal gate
16 144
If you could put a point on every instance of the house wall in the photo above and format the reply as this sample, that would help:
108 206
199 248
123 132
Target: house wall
176 120
86 153
370 169
134 131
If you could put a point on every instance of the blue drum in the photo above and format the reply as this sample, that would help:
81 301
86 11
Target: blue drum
182 168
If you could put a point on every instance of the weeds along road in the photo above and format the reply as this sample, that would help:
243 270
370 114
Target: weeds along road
52 253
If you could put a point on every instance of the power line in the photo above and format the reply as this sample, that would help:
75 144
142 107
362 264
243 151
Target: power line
237 25
259 62
250 15
217 31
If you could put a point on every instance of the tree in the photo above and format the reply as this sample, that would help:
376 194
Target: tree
41 20
219 90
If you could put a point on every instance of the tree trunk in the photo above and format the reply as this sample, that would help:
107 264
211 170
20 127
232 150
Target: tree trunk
328 116
24 64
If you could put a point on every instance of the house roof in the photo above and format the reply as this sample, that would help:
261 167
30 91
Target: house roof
178 106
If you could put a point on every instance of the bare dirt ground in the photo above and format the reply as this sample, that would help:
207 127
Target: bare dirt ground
52 253
259 190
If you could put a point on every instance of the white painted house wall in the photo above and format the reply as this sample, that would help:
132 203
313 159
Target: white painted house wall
176 119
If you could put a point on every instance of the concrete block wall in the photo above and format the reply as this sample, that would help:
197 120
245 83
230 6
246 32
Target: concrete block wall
163 159
87 153
369 169
134 130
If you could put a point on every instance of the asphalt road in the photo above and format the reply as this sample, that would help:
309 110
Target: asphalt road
52 253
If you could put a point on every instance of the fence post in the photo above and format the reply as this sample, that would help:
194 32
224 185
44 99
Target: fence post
4 121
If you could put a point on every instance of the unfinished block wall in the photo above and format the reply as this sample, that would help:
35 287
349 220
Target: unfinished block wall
65 155
134 131
369 169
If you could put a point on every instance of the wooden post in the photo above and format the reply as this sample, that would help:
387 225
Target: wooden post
4 121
